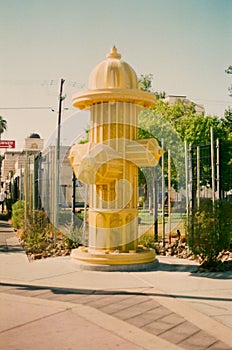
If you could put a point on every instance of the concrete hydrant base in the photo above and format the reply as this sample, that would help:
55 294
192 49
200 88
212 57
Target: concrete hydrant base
87 259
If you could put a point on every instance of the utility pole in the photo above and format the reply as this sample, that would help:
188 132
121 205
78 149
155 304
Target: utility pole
57 161
61 98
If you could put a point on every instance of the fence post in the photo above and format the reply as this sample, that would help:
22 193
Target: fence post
73 199
163 197
33 189
192 190
198 177
85 216
218 170
155 205
169 191
26 189
212 164
186 179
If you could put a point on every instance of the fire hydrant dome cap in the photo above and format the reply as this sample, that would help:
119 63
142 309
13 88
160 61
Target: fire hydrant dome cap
113 80
113 73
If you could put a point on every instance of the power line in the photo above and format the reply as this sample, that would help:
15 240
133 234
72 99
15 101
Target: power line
27 108
43 83
208 100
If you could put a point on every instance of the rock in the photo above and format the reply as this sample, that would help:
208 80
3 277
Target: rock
49 247
38 256
191 257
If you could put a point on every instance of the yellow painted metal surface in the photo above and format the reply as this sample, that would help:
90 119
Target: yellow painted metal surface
109 162
115 258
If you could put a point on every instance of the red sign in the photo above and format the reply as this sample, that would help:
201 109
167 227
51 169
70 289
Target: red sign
7 143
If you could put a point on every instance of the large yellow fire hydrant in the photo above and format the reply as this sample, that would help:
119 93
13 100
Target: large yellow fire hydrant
109 163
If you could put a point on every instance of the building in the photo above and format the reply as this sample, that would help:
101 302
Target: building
8 164
14 161
33 143
172 99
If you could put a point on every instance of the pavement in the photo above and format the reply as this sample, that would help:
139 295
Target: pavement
53 304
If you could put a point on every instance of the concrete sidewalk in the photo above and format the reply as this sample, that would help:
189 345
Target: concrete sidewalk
51 304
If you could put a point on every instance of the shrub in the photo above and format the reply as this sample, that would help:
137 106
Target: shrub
36 232
211 229
18 214
72 236
35 242
37 222
147 241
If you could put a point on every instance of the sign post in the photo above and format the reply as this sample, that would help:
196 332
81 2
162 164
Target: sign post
7 143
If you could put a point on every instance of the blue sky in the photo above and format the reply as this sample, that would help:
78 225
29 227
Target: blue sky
185 44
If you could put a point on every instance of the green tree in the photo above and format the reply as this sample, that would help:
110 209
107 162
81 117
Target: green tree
173 124
195 129
145 84
229 71
3 125
153 124
180 122
227 123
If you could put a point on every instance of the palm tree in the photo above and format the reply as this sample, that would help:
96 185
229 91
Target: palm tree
3 125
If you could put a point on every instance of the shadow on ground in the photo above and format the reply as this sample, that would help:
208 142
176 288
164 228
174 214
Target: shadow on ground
10 249
25 289
176 267
225 275
193 269
4 217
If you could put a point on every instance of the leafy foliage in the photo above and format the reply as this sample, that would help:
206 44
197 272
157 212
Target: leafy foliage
145 84
73 236
210 230
18 214
229 71
147 241
153 124
180 122
86 139
227 123
3 125
36 231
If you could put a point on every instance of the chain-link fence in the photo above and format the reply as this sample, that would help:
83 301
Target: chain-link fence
163 202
